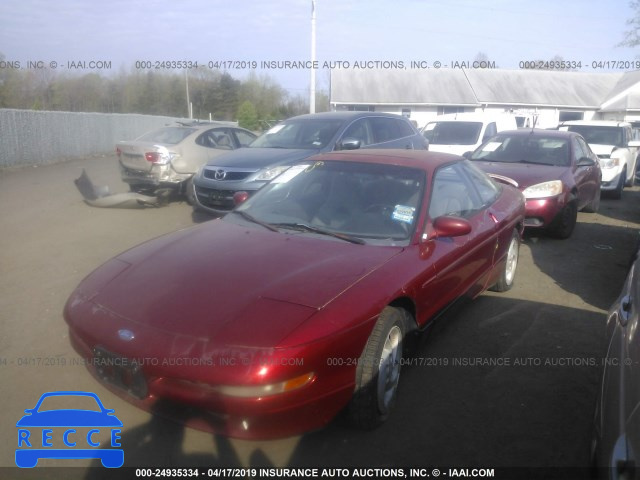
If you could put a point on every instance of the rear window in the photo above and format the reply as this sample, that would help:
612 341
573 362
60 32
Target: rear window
453 133
167 135
598 135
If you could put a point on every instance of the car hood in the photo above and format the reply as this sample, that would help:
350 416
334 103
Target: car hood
453 149
524 174
601 149
228 281
260 157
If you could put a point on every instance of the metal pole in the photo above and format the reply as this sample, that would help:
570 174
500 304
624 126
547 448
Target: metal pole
312 93
186 77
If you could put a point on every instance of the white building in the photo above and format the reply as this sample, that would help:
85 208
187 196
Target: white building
551 96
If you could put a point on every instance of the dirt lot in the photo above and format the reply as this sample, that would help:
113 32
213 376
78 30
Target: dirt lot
453 411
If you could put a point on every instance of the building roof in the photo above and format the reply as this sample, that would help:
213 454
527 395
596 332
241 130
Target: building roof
398 87
476 87
542 87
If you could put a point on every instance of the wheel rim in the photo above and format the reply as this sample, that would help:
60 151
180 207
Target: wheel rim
512 261
389 371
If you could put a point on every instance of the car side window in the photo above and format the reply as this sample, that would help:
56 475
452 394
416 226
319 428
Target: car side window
360 130
215 138
486 188
586 151
578 151
384 129
404 128
451 194
491 131
243 138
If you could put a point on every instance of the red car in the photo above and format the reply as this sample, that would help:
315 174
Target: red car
295 305
556 171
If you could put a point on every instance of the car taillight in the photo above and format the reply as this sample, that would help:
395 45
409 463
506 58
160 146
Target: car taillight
153 157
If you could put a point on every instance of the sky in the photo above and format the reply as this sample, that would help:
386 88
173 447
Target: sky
123 32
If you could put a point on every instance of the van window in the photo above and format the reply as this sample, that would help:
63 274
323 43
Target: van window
491 131
453 133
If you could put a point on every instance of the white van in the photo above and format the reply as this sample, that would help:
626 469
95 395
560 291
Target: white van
464 132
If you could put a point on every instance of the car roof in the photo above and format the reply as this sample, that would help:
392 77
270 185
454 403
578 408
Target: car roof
421 159
596 123
346 115
539 132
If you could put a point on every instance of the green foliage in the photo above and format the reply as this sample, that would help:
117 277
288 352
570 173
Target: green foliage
247 116
255 101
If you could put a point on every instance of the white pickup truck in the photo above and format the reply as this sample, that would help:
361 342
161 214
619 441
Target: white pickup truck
613 143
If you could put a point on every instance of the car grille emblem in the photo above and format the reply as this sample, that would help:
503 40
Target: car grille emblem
220 174
126 335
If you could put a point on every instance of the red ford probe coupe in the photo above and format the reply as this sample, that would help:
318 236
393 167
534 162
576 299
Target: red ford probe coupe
295 305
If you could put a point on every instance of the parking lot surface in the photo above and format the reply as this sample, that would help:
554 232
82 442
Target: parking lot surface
506 380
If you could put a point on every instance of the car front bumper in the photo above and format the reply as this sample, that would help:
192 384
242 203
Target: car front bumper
540 212
610 179
217 197
168 393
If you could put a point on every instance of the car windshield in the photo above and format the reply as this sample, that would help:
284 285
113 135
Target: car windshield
63 402
302 133
598 135
540 149
362 201
167 135
453 133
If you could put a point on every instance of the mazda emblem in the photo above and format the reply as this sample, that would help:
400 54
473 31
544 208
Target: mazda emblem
219 174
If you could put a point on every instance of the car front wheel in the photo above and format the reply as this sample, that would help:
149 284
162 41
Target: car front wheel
563 225
617 193
508 273
378 371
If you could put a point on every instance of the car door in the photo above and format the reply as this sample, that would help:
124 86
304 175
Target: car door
586 177
462 263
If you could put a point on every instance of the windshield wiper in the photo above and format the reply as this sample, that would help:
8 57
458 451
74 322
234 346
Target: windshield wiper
321 231
253 219
535 163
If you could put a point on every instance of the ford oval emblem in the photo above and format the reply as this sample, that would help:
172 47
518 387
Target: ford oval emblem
126 335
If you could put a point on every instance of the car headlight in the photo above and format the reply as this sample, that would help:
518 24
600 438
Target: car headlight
266 390
271 172
541 190
611 162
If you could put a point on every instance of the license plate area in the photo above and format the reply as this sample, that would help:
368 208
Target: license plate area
120 372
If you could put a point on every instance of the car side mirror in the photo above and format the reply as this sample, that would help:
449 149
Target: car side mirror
349 143
450 226
240 197
585 162
467 155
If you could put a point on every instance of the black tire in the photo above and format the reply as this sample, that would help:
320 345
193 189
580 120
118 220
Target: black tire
378 371
617 193
563 225
629 183
188 192
508 273
594 205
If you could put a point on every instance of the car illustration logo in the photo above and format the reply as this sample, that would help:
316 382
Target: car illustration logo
219 174
69 433
126 335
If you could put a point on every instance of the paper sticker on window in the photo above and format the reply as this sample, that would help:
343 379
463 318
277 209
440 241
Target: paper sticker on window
491 146
403 213
275 129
